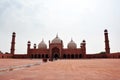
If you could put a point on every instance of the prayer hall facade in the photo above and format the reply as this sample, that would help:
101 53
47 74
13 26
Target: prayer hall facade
57 51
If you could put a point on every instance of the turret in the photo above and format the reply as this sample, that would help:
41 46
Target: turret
12 50
34 46
107 48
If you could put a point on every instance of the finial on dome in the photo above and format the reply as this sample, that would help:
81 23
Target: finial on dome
57 35
42 39
71 39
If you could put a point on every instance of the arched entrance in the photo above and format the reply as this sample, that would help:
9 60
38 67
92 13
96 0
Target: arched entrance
64 56
55 53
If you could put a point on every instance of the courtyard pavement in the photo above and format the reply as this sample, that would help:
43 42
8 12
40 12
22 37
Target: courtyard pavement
75 69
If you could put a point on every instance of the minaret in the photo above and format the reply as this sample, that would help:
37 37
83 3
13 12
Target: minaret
84 47
28 47
12 51
107 48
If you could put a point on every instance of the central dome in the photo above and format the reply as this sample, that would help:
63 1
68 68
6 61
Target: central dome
72 45
56 40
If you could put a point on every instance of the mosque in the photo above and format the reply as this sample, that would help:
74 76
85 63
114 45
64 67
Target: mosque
57 51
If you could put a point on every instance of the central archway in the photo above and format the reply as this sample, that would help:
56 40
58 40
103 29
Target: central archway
55 53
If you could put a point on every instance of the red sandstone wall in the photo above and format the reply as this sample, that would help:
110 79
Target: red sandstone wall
96 56
0 55
114 55
20 56
6 56
111 55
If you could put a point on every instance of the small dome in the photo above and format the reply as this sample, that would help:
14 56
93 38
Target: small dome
105 31
29 42
14 33
83 41
42 45
56 40
72 45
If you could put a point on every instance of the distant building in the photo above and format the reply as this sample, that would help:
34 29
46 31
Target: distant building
56 50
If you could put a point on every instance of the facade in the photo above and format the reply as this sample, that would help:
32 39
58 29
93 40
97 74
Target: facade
57 51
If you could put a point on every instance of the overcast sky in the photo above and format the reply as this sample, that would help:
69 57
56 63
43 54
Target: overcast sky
77 19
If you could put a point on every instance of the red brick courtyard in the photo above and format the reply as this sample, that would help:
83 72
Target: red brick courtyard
76 69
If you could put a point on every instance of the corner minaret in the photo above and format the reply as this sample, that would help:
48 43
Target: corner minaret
107 48
28 46
84 48
12 51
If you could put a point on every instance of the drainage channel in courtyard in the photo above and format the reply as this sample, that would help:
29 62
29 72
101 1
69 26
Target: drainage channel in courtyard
11 68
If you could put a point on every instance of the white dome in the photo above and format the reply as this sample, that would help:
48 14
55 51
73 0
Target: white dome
72 45
42 45
56 40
